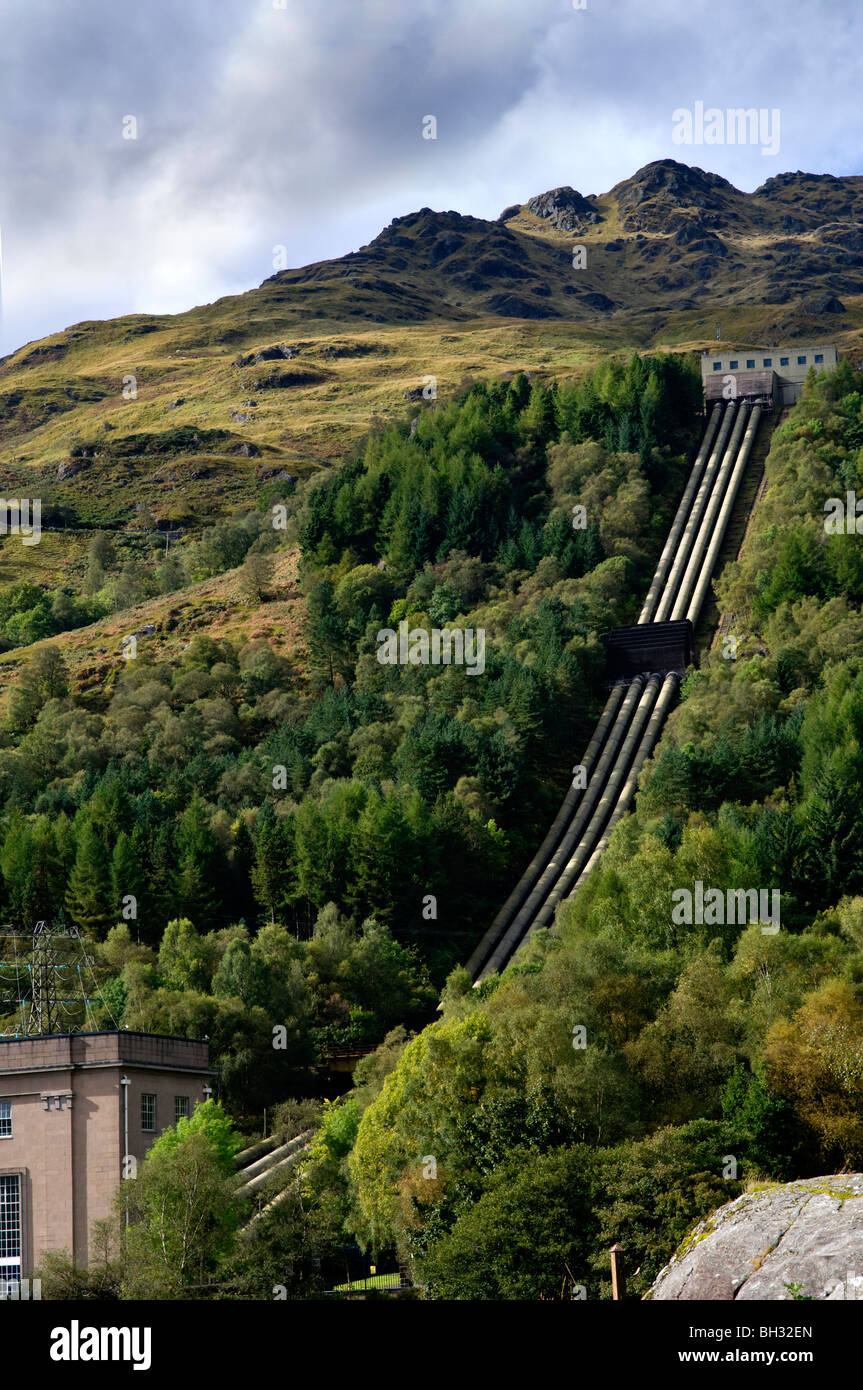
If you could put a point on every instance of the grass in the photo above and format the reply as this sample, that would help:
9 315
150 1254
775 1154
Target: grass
374 1281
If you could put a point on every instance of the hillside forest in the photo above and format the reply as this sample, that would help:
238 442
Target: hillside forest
249 846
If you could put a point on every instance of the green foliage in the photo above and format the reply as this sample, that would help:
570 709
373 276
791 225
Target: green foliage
186 960
29 613
543 1224
281 839
183 1208
294 1252
650 1193
772 1143
705 1042
470 479
210 1120
100 1280
526 1237
339 1124
88 896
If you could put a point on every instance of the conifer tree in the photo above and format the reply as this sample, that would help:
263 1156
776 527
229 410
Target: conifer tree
88 896
126 875
199 864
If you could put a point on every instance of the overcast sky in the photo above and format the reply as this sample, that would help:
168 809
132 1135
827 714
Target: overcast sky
260 126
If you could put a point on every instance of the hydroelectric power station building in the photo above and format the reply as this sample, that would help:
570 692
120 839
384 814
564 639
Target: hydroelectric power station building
769 377
74 1109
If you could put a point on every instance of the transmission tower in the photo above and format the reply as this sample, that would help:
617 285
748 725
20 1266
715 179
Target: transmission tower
50 994
43 1011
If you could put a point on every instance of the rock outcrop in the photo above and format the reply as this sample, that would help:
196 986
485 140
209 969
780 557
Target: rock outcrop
564 208
651 200
800 1240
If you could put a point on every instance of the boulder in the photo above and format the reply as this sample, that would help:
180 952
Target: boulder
278 475
797 1240
817 304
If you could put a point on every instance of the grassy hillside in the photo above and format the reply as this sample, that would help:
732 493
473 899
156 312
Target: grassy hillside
216 608
289 375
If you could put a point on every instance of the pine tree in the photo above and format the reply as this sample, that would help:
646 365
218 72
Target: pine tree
240 899
88 896
46 878
272 873
325 631
126 874
539 421
199 864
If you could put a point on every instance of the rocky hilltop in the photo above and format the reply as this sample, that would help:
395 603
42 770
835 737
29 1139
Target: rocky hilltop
666 238
564 209
290 373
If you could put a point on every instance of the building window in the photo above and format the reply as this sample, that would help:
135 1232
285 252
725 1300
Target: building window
750 361
717 366
181 1108
148 1112
732 365
768 361
10 1234
819 357
783 361
801 361
5 1119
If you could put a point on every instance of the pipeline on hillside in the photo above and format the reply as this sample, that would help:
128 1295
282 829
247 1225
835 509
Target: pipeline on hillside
635 711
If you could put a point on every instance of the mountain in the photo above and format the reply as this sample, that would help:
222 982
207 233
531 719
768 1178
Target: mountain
179 418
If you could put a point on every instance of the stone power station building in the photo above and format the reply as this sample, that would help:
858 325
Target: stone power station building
772 377
71 1106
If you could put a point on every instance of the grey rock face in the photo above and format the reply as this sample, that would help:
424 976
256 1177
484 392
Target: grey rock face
802 1240
564 208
